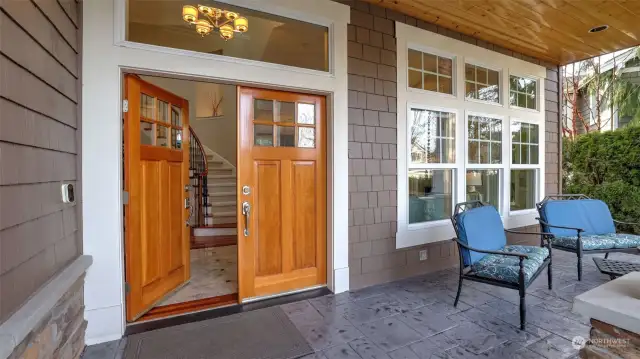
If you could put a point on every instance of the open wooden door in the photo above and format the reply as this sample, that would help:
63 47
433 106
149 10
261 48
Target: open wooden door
156 127
281 192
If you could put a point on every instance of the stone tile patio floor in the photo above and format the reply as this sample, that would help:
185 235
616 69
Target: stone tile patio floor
415 318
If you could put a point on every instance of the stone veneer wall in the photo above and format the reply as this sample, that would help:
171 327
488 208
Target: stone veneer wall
60 334
373 257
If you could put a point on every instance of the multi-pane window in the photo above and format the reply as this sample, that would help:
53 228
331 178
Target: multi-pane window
524 143
284 124
523 189
431 165
523 92
481 83
485 140
160 123
432 136
430 72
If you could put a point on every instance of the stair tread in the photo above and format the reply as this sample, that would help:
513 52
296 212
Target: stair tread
222 194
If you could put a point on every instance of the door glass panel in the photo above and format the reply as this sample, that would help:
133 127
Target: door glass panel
263 135
176 119
306 114
285 111
163 111
161 138
146 133
306 137
147 106
176 139
263 110
286 136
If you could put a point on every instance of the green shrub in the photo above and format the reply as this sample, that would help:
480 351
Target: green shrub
606 166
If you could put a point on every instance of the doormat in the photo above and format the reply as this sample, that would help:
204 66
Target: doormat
259 334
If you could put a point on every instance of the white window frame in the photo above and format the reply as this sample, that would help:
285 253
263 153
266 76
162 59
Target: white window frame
438 53
536 167
454 166
539 102
500 83
408 98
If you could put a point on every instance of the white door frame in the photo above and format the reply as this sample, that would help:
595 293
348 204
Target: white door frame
105 56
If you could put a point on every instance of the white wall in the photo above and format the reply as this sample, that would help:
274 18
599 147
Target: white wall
220 134
106 56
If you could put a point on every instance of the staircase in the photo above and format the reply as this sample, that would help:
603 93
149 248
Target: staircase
220 206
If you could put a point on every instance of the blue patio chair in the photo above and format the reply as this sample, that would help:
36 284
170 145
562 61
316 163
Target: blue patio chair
582 225
485 256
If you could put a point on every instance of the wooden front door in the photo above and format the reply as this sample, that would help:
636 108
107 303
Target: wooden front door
156 128
281 192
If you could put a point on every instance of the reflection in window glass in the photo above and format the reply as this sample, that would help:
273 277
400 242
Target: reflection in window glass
269 38
146 133
263 135
306 114
432 136
484 186
523 92
162 138
176 139
306 137
286 136
485 140
523 189
263 110
430 72
175 116
481 83
430 195
285 111
147 107
524 143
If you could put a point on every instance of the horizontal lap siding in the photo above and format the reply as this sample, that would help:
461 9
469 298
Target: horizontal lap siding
39 147
373 257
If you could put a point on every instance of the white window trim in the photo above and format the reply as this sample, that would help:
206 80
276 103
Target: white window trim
422 40
539 100
438 53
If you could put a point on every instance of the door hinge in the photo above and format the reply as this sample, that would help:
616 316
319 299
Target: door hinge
125 106
127 288
125 197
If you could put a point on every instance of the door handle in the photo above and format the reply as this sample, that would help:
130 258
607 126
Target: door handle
246 211
187 205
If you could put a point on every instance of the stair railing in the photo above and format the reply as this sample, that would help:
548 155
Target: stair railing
199 168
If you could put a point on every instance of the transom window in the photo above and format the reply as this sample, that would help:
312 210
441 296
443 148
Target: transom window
481 83
160 123
430 72
284 124
523 92
485 140
524 143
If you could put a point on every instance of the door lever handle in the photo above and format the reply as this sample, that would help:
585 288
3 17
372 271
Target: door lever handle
246 211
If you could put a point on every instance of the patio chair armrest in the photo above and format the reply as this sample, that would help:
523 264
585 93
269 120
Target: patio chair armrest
627 223
579 230
545 234
512 254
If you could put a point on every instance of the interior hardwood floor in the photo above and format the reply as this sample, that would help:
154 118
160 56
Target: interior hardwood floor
189 307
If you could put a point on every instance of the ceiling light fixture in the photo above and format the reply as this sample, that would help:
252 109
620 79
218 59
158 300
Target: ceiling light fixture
226 22
598 28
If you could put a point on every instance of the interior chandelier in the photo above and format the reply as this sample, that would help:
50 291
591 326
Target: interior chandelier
227 22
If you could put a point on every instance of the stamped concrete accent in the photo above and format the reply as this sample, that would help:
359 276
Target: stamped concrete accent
373 151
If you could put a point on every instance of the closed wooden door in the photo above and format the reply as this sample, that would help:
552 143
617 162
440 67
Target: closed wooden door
281 192
156 178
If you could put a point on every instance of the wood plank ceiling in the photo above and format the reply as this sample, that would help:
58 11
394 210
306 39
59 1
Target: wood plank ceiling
553 30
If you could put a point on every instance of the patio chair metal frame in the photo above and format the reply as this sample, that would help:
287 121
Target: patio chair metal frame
466 272
578 250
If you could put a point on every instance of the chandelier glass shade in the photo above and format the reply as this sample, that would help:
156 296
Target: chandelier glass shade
206 19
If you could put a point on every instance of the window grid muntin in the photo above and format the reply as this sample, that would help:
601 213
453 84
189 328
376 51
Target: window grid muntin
516 92
422 71
475 81
532 146
440 139
497 122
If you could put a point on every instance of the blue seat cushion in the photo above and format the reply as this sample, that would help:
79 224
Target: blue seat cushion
591 215
624 240
507 268
589 242
480 228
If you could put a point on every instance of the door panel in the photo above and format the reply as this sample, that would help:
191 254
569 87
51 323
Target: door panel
282 160
156 173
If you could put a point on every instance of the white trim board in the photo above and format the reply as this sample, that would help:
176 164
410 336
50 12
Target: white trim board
15 329
106 56
461 52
